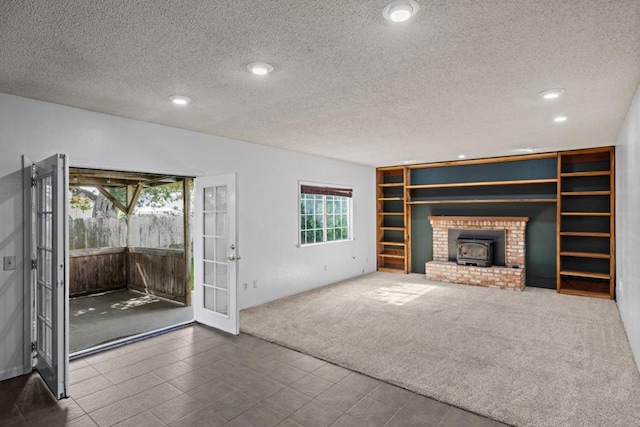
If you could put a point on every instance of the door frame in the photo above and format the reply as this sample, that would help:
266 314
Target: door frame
187 178
28 303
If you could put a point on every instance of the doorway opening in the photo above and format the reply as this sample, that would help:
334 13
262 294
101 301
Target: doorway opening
130 255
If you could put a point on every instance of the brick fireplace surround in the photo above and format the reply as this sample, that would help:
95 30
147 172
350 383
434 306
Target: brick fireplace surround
507 277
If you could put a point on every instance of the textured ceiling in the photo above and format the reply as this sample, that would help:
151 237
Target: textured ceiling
462 76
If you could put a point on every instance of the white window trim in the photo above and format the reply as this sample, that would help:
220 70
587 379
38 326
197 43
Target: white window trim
324 213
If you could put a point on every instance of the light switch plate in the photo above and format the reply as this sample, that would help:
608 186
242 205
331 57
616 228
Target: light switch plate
9 263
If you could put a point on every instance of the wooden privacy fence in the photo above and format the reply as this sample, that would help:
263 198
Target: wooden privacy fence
97 270
148 231
160 272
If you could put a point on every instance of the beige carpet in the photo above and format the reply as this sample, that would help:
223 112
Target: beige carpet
532 358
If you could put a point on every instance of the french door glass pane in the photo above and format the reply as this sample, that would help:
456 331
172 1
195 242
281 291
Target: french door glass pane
221 276
209 224
44 270
222 305
46 194
45 230
221 249
209 298
210 199
209 273
209 253
47 303
221 199
221 224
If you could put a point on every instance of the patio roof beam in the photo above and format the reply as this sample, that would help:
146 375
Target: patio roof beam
112 199
134 198
109 179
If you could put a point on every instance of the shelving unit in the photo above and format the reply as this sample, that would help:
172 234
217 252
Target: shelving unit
579 183
515 179
585 223
393 220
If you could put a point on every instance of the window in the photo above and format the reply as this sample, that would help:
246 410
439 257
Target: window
325 214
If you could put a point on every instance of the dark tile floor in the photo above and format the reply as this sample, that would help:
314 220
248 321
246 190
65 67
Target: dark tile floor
197 376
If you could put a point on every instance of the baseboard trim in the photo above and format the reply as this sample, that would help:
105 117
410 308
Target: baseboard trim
17 371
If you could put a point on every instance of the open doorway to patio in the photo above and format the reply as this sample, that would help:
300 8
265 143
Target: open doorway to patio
130 262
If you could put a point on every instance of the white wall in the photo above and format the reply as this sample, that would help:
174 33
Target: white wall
267 194
628 225
11 301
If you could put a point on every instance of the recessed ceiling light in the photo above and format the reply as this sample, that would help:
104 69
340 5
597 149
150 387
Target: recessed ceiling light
526 149
179 99
407 162
552 93
462 156
560 119
259 68
400 10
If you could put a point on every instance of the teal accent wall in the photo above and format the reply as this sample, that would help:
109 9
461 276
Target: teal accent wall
540 237
503 171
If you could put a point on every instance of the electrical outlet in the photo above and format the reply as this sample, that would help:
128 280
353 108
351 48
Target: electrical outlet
255 284
9 263
244 285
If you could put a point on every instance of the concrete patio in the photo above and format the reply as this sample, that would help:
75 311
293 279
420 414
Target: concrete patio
101 318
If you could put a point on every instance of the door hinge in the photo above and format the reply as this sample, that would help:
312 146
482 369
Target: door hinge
33 347
33 181
34 264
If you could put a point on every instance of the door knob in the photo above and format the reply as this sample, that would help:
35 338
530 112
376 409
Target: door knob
232 258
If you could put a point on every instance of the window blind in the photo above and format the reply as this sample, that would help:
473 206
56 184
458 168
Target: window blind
326 191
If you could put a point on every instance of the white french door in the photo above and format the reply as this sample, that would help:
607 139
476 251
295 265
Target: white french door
47 240
215 253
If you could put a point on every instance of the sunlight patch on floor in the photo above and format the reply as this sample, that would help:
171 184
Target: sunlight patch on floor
400 293
134 302
81 312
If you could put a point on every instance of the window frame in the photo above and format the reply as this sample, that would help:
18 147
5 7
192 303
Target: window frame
325 227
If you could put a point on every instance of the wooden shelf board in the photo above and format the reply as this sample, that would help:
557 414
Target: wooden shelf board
391 270
391 213
391 184
585 255
484 183
585 214
584 293
586 193
392 243
382 199
588 173
384 255
586 274
586 155
391 169
458 201
584 234
392 228
483 161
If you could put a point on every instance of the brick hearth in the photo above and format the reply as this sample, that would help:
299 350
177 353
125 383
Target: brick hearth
511 276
